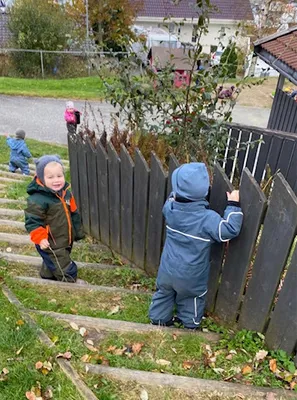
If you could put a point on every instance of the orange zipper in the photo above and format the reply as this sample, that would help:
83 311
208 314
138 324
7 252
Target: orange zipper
49 232
67 216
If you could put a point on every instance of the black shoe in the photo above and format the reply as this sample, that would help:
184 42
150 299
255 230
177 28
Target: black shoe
158 323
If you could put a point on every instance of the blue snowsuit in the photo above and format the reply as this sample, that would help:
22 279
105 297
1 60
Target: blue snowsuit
18 155
191 228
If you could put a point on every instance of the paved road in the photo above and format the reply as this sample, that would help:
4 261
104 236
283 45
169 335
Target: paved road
43 118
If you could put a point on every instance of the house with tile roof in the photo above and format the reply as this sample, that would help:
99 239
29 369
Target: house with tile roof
183 19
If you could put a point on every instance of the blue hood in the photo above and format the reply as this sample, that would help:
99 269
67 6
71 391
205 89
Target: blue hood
16 144
190 181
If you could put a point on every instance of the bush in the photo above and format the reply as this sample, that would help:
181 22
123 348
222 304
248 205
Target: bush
229 61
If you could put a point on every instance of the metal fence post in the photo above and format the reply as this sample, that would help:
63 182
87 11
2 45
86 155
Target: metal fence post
41 62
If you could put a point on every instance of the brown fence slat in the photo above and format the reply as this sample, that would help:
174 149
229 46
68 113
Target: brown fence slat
83 185
127 177
93 190
218 202
114 189
240 250
73 162
141 187
278 233
158 181
282 329
103 196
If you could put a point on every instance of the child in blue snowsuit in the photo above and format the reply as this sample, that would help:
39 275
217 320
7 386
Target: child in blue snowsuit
191 228
19 152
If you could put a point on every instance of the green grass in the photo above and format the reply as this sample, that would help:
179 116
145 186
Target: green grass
187 354
76 88
131 307
22 374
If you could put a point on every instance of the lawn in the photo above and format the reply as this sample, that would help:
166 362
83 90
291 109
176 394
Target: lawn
76 88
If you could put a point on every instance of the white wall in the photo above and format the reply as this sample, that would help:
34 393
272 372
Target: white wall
186 30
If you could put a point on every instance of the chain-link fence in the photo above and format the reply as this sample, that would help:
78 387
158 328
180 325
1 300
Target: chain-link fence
57 64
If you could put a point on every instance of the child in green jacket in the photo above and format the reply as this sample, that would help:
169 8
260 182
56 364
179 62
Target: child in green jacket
52 219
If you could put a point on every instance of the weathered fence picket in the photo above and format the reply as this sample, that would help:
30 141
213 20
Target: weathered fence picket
173 164
141 188
240 250
103 195
73 162
83 177
93 190
157 193
282 329
218 202
279 231
114 191
127 179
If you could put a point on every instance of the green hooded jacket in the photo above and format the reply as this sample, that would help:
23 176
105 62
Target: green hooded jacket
52 215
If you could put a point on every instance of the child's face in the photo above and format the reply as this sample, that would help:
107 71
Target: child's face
54 176
71 110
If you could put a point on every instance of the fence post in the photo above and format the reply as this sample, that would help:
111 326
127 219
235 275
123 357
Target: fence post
41 62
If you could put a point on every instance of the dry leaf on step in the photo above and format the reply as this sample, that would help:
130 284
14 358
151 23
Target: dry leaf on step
90 347
90 341
74 326
136 347
39 365
114 310
82 331
246 370
67 355
272 365
260 355
144 395
188 364
86 358
163 362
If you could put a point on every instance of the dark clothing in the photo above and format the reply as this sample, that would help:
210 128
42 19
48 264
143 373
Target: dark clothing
54 217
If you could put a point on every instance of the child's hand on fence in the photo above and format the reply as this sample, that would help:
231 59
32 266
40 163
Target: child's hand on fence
44 244
233 196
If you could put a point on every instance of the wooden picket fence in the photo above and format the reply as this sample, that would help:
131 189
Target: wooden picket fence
253 278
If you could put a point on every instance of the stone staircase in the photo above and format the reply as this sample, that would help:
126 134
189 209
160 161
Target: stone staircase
14 249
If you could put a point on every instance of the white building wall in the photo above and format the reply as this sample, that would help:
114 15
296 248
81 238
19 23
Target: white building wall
186 31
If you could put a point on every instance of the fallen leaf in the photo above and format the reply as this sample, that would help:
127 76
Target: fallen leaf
3 374
39 365
187 364
246 370
270 396
5 371
292 385
232 352
19 351
229 357
55 339
174 336
20 322
119 352
48 394
144 395
218 371
89 341
260 355
272 365
52 301
163 362
114 310
44 371
111 349
90 347
74 310
74 326
86 358
67 355
174 350
30 395
136 347
82 331
117 298
9 250
208 348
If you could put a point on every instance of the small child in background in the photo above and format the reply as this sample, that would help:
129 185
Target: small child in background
19 153
191 228
52 219
72 117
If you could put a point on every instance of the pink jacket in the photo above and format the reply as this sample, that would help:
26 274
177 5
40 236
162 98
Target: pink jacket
70 116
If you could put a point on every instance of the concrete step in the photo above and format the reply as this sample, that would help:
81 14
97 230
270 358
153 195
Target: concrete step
12 175
5 200
13 224
115 325
5 167
4 179
37 261
78 286
2 186
10 213
199 388
14 238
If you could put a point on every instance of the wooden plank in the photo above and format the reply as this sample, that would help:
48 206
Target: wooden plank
114 190
263 157
73 160
158 182
285 156
141 187
93 190
282 329
278 233
83 185
272 115
218 202
103 195
240 250
274 152
127 178
173 164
